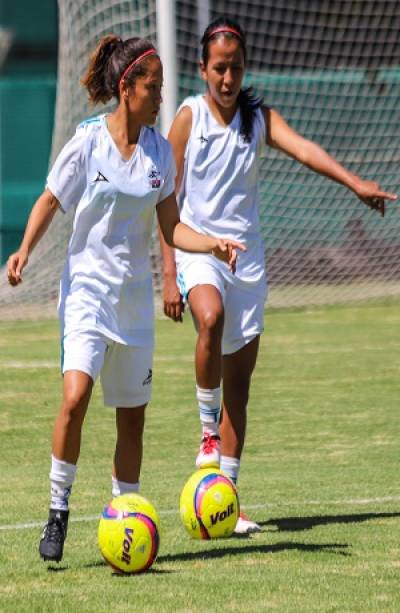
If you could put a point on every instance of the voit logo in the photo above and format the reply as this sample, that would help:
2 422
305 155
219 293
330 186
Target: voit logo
126 546
222 515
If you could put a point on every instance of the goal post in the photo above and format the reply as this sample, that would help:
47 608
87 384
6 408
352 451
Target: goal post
332 70
166 41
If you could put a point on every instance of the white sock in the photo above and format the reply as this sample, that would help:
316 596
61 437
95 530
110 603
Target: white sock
209 407
231 467
123 487
62 475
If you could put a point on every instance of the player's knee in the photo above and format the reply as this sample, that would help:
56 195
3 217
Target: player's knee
211 322
74 404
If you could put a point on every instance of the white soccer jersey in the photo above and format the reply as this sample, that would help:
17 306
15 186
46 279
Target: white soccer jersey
219 189
107 281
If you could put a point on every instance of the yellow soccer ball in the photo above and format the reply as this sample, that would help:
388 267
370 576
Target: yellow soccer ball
128 534
209 504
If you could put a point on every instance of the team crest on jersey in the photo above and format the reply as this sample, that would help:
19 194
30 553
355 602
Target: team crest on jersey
154 177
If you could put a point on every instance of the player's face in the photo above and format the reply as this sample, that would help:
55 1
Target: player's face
144 98
224 71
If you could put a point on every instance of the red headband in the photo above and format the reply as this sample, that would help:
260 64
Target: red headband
225 29
151 51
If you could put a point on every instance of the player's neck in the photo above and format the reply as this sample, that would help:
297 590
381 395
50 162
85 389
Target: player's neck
124 131
221 114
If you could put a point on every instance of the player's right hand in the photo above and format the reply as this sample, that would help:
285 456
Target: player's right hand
173 301
15 265
226 250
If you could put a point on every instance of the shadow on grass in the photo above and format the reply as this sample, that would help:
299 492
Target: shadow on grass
57 569
296 524
333 548
151 571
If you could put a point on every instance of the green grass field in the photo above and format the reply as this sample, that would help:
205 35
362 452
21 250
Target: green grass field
320 473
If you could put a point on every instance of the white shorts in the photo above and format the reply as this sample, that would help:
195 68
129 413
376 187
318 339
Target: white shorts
125 371
243 301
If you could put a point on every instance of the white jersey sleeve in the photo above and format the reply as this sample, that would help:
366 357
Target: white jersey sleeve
169 171
67 179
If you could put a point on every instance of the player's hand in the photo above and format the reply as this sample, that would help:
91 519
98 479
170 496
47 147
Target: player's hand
173 301
226 250
373 196
15 265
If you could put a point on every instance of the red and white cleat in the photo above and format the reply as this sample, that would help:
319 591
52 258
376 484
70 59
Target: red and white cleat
244 525
209 453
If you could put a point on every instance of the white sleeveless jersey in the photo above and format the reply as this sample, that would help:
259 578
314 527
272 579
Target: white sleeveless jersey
219 188
107 282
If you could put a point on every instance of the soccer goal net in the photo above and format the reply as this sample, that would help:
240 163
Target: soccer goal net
332 69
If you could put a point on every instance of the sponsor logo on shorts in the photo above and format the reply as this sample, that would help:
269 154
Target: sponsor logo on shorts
149 378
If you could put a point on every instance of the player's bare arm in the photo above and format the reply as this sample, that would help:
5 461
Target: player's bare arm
178 137
39 220
179 235
282 137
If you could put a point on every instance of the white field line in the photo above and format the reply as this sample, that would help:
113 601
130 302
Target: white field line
251 507
19 364
22 364
29 364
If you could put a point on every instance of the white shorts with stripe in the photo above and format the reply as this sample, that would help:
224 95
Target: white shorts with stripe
243 301
125 371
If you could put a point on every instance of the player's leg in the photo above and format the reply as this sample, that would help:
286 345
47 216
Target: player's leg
244 322
206 304
127 384
82 358
237 370
77 389
128 450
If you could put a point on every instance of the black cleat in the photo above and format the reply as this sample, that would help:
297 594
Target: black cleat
51 544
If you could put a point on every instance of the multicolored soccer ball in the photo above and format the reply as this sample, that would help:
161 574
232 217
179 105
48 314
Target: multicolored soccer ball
209 504
129 534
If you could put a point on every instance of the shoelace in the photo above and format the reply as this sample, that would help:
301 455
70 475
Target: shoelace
55 530
209 442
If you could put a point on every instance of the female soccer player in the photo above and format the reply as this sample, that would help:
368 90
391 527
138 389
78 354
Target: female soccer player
116 169
217 139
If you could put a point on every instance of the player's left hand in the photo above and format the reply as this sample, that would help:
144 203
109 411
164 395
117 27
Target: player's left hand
373 196
15 265
226 250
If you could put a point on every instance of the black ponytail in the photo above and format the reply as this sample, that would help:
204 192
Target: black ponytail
248 105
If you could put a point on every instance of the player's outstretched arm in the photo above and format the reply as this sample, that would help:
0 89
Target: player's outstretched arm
178 137
39 220
173 301
281 136
181 236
